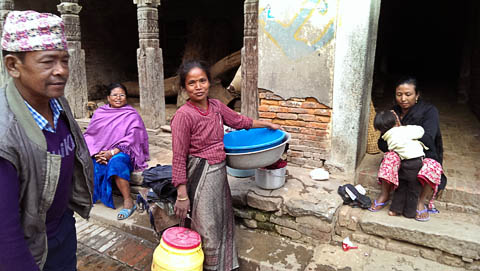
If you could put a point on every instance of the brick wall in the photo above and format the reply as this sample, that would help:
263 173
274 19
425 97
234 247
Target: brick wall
307 120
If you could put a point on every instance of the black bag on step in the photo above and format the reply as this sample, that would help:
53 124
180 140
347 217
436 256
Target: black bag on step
352 197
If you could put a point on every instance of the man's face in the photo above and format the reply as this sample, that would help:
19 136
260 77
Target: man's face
42 74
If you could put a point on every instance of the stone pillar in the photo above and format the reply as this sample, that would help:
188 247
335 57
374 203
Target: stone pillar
250 60
355 42
5 7
76 90
150 64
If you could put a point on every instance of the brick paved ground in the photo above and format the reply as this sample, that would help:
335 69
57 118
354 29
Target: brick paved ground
107 248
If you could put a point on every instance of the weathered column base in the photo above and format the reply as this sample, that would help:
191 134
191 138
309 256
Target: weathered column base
150 77
76 90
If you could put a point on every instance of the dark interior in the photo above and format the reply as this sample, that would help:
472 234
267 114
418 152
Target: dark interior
432 41
208 30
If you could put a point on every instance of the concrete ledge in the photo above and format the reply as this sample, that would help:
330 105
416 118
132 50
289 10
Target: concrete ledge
446 231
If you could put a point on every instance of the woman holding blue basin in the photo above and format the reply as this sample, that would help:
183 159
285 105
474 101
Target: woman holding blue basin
199 168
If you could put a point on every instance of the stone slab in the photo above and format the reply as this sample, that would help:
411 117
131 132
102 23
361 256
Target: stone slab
261 251
333 258
300 196
445 231
137 224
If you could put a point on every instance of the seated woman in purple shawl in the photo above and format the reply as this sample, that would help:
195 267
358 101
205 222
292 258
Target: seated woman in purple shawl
118 143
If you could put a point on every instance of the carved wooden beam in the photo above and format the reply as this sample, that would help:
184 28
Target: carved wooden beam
250 60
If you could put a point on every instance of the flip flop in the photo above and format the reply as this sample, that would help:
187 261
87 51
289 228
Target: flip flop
433 211
126 213
421 212
376 204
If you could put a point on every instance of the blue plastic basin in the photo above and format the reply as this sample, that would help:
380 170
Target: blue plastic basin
255 139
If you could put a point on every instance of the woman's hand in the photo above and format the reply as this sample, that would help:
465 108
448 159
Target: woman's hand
103 157
397 122
275 126
267 124
182 205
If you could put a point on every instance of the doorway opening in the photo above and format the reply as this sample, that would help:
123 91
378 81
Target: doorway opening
436 42
420 39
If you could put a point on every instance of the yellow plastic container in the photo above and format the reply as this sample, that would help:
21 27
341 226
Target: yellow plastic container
180 249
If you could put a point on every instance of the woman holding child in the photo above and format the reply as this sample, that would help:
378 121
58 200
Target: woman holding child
412 110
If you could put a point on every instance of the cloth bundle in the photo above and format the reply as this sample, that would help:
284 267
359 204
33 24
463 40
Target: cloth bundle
159 178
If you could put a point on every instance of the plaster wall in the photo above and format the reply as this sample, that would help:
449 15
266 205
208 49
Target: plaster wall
296 48
354 62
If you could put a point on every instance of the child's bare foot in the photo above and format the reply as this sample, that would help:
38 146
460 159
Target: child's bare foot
392 213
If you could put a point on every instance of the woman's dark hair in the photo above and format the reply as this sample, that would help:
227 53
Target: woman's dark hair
384 121
113 86
409 80
188 65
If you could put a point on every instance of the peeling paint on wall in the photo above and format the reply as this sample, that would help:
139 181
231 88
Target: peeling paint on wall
301 33
296 47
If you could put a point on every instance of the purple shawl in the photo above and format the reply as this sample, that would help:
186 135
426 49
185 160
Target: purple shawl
120 128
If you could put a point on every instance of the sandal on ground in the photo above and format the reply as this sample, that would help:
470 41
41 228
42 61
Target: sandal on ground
433 211
126 213
377 206
423 219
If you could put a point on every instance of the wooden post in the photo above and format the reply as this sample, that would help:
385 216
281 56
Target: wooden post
76 90
150 64
5 7
250 60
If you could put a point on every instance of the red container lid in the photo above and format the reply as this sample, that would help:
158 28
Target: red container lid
181 238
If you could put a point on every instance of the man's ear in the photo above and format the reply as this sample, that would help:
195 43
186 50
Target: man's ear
11 64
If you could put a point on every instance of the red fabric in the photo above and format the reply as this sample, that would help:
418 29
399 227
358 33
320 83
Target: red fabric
388 170
431 173
279 164
201 136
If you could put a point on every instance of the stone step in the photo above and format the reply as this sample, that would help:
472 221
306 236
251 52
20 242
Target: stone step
137 224
449 237
261 251
460 195
384 243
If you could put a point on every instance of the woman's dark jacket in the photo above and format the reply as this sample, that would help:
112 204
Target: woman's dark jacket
426 115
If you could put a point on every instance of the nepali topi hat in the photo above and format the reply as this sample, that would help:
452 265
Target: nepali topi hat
26 31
